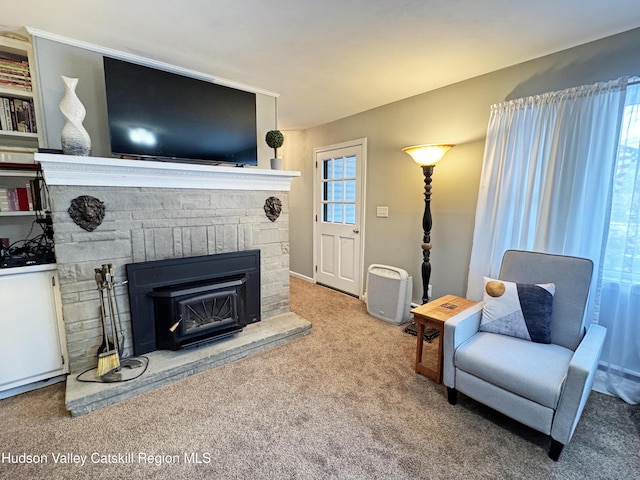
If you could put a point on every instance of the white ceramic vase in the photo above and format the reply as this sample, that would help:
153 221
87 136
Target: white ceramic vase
75 139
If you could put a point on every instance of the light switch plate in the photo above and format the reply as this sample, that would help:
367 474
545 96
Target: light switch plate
382 212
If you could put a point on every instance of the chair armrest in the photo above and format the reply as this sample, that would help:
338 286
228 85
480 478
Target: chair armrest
577 386
457 330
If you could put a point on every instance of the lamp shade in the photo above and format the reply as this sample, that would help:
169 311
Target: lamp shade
427 154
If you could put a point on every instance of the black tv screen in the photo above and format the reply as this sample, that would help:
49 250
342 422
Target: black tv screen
159 114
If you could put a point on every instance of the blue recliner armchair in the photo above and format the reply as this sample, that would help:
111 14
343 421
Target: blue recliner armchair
542 385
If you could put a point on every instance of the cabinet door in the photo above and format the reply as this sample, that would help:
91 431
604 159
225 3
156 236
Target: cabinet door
29 343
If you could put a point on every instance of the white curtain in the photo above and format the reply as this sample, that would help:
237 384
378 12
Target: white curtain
620 305
546 182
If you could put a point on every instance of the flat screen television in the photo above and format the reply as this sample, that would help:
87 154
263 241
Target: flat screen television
167 116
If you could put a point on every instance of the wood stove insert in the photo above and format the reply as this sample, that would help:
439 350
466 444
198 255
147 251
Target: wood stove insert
187 301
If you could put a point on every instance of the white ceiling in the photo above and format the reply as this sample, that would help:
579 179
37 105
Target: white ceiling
329 59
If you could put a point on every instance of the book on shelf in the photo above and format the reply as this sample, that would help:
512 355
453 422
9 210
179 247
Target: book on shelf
7 82
14 67
12 196
14 76
38 200
14 58
14 71
22 199
17 115
4 200
3 117
22 124
7 112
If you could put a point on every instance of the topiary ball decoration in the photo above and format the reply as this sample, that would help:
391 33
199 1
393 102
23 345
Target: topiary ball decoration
274 139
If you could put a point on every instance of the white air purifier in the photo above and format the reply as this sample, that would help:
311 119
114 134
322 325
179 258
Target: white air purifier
389 293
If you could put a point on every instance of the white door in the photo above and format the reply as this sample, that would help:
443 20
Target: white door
338 238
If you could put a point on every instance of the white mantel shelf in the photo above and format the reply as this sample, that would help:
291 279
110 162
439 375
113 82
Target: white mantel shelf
113 172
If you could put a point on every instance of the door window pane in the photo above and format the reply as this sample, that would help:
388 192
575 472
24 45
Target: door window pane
339 190
350 190
328 167
338 168
350 214
350 167
337 213
327 212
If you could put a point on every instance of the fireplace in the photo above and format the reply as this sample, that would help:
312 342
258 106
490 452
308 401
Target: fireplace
157 211
184 302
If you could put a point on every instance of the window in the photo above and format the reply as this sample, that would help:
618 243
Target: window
622 256
339 190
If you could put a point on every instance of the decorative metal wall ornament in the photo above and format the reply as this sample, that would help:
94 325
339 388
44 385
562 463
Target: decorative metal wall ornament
87 212
273 208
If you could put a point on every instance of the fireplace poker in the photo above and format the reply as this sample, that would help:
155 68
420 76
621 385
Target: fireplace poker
109 273
115 300
112 319
106 343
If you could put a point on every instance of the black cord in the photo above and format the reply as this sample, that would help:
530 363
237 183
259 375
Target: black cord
38 245
122 380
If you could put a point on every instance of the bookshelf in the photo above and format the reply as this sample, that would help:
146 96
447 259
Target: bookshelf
20 125
16 219
20 135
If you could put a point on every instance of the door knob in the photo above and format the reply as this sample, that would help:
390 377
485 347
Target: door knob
356 230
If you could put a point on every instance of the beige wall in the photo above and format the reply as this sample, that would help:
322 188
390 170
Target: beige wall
455 114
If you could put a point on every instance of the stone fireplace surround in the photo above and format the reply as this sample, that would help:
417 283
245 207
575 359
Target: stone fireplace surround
162 210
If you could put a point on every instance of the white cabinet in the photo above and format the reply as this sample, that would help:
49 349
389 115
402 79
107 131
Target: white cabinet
33 343
33 347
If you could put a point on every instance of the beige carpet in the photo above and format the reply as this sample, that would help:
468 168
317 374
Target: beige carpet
341 403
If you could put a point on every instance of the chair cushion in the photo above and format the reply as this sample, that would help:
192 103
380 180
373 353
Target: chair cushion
517 309
535 371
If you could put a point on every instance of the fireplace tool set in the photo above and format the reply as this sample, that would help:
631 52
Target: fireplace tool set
111 350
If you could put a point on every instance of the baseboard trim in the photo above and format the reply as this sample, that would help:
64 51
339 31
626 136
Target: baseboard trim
31 386
302 277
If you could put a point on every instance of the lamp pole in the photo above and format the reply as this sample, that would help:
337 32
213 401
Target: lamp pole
427 156
426 227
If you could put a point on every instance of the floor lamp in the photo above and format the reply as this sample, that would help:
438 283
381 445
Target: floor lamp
427 156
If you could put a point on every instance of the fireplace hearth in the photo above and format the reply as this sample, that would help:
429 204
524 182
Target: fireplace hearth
184 302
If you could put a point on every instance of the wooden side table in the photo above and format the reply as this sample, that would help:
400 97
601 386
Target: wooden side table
434 314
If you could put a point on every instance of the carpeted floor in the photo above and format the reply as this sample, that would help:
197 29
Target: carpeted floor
341 403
